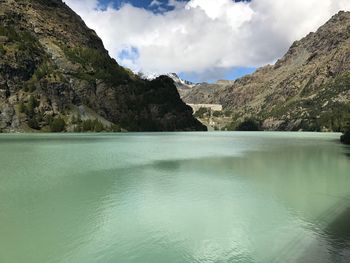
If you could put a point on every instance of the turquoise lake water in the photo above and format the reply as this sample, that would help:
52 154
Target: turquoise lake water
174 198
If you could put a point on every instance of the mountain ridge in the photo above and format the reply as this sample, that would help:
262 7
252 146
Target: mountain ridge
307 89
55 70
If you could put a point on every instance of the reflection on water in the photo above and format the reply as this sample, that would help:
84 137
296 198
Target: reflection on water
334 243
174 197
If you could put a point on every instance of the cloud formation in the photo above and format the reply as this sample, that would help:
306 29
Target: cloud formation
202 36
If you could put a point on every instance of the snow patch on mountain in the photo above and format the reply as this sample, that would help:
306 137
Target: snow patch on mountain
179 82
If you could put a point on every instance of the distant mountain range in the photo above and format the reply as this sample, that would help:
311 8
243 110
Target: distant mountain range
308 89
55 75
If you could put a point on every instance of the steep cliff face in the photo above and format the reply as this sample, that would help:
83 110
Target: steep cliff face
55 74
308 89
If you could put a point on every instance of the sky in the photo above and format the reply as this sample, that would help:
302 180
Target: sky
202 40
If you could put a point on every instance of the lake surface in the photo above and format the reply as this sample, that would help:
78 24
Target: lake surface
174 198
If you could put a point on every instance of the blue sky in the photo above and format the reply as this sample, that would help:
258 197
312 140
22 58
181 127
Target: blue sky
147 4
231 74
202 40
140 3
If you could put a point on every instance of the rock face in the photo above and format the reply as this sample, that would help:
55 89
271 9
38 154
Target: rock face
308 89
204 93
54 71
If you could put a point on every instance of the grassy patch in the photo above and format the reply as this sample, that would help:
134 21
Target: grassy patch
2 50
24 39
103 67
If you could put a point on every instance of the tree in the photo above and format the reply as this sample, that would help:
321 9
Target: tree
345 138
32 104
115 128
98 126
58 125
87 126
217 113
21 107
248 125
201 112
2 50
33 123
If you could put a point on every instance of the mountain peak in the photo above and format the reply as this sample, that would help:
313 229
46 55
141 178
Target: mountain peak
55 70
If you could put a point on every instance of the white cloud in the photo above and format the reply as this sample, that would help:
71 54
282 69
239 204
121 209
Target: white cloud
205 35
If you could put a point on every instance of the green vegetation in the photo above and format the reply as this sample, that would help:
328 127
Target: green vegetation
202 112
92 125
87 125
29 110
30 67
345 138
2 50
9 32
33 123
115 128
23 39
217 114
229 127
228 113
57 125
335 115
35 118
29 86
26 49
336 119
97 65
324 112
249 125
43 70
45 2
21 107
31 105
46 70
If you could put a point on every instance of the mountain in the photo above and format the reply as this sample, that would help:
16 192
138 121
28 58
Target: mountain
204 93
308 89
181 84
56 75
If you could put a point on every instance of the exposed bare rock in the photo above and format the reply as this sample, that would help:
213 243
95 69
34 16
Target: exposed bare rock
307 89
52 66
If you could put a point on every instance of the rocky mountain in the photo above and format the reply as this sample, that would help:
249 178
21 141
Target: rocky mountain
56 75
307 89
183 86
204 93
179 82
